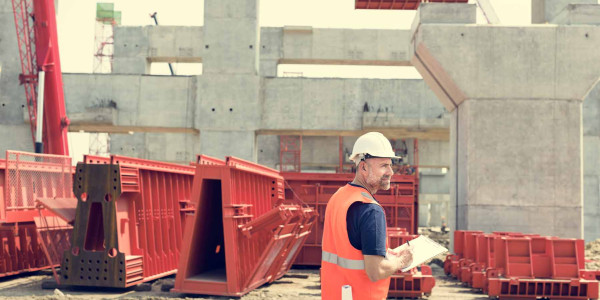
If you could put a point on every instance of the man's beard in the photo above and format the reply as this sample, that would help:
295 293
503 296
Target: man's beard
384 183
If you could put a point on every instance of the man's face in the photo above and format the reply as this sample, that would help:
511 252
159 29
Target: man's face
379 173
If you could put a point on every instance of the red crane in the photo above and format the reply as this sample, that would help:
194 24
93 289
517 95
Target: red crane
35 21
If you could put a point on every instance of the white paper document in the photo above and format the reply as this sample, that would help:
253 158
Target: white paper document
424 248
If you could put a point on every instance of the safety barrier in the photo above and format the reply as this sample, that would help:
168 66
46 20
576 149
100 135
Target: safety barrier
129 221
240 236
400 204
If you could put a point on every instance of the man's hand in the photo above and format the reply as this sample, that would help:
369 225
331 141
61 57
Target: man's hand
401 256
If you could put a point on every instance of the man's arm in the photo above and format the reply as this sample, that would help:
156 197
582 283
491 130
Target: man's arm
379 267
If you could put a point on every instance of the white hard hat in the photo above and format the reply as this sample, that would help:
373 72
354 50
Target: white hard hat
374 144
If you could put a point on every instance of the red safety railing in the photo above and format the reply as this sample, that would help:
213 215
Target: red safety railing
397 4
26 177
400 204
240 235
129 221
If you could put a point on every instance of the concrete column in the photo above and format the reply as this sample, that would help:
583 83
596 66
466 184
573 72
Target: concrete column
515 96
13 112
229 110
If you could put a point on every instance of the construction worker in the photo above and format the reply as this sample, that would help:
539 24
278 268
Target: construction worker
355 250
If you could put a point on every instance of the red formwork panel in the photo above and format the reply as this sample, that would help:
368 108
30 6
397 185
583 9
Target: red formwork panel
26 177
537 266
452 263
239 236
469 257
400 204
129 221
21 250
484 258
397 4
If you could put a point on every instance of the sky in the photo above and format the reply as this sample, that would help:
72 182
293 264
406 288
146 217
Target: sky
76 28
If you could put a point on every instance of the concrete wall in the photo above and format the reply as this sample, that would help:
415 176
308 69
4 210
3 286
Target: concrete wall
13 112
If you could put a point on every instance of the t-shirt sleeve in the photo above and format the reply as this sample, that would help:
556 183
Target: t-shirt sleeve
372 227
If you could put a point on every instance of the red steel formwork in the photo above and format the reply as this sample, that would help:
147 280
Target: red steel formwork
129 221
400 204
413 283
469 257
240 235
533 267
31 236
397 4
452 262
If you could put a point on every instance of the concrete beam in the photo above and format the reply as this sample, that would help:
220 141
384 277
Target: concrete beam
135 47
578 14
544 11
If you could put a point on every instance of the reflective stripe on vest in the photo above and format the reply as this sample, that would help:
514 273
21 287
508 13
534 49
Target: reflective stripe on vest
351 264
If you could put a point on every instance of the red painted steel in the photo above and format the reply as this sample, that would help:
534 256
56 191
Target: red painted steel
20 251
512 265
54 235
129 222
400 203
469 256
413 283
397 4
452 263
25 177
239 236
37 36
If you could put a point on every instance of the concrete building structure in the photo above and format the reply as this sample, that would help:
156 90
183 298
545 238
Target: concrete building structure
504 93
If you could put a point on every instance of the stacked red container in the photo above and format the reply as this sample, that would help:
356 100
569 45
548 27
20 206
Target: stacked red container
400 203
240 235
413 283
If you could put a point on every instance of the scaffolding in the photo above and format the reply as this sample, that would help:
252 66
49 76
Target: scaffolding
106 19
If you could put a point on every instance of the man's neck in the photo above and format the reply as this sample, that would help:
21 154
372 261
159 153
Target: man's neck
363 183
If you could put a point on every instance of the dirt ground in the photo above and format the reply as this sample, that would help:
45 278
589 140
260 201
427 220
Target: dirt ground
297 284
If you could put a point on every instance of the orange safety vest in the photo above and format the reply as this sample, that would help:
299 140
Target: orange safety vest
341 263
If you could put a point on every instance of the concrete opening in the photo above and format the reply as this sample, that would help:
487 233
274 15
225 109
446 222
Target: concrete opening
183 69
208 263
347 71
94 237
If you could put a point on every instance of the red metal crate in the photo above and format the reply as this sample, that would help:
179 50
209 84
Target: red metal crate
239 237
469 257
129 221
452 263
400 204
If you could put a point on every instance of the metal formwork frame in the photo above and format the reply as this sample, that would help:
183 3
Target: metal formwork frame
240 235
129 221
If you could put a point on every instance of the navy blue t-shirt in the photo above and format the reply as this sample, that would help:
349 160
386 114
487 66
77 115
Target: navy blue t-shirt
366 227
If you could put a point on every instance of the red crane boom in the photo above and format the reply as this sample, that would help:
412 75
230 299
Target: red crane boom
35 21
